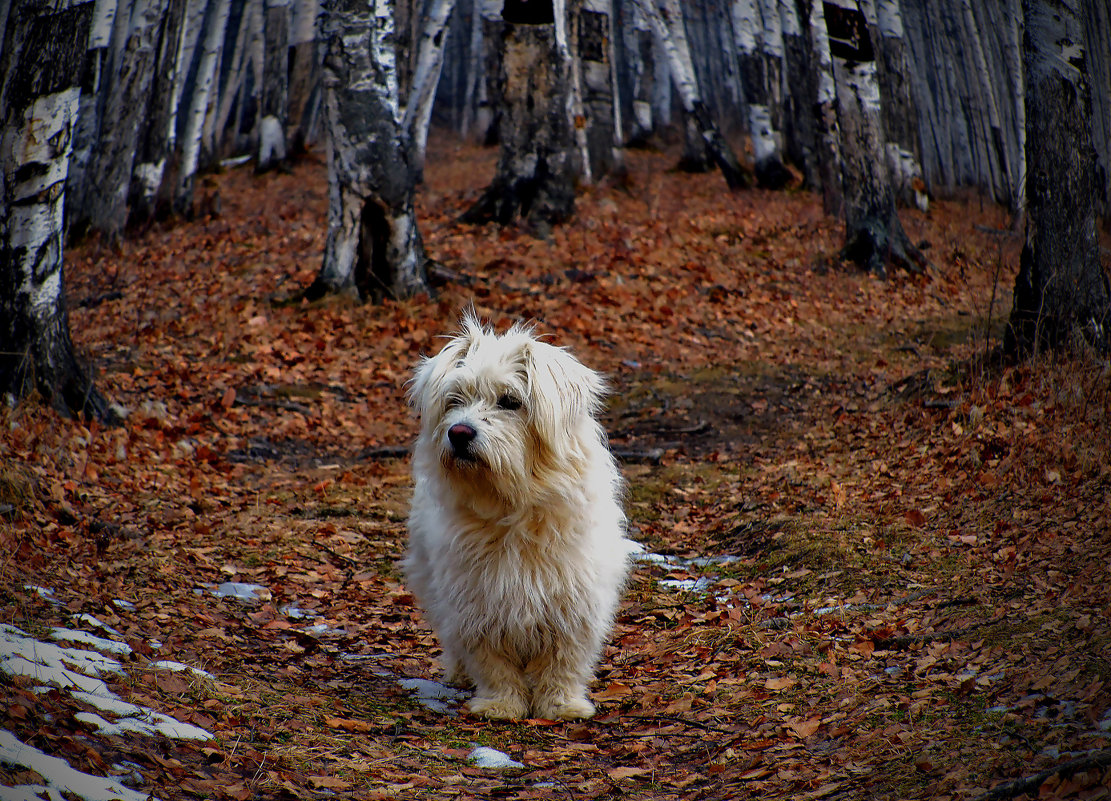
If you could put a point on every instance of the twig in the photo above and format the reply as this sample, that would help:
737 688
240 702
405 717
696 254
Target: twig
673 719
637 456
894 643
1096 759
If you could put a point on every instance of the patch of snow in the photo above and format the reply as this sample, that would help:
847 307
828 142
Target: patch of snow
96 624
431 694
294 612
708 561
149 723
126 606
684 562
83 637
484 757
45 593
320 629
244 593
178 667
686 585
23 655
60 776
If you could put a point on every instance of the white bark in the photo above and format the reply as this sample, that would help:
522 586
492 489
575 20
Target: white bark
571 67
302 26
371 219
666 20
198 105
271 140
247 56
43 137
426 77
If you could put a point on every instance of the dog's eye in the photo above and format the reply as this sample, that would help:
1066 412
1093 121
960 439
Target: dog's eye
454 400
509 403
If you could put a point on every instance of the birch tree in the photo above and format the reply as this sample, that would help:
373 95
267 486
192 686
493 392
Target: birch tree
273 114
900 117
638 49
666 19
821 95
43 47
760 51
215 28
426 77
158 133
536 171
127 96
601 111
95 70
304 73
1061 294
874 235
373 248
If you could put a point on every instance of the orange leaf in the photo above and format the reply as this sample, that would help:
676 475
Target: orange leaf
805 728
613 691
349 725
625 773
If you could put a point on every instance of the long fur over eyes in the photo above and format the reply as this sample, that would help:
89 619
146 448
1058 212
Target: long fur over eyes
517 546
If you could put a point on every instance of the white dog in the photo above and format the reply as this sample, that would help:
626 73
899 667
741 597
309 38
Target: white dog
517 545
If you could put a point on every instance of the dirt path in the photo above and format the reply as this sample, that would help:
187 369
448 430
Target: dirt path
880 568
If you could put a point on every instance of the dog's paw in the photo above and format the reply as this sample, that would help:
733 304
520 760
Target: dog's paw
500 708
564 709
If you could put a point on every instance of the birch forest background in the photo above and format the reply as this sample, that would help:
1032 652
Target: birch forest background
844 264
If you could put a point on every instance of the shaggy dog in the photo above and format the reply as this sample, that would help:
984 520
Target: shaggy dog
517 547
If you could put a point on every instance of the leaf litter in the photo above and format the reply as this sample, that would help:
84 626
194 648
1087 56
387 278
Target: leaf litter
880 557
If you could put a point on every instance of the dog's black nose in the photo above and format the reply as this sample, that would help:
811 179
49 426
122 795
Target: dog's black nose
460 436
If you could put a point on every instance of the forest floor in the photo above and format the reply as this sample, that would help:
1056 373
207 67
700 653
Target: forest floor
882 557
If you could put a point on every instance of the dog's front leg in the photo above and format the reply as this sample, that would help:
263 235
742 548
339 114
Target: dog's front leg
561 686
501 691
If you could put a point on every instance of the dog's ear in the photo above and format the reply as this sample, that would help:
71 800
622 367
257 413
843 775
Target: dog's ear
560 388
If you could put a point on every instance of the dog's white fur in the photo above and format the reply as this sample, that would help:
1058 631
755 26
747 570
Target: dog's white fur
517 546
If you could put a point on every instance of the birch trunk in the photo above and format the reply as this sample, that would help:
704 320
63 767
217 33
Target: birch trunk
595 58
426 77
758 49
900 116
95 70
874 236
234 85
125 109
38 112
373 248
158 135
799 129
638 49
213 43
1061 296
536 172
821 93
304 73
667 23
274 105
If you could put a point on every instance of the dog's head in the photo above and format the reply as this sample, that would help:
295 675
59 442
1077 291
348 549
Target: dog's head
506 410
